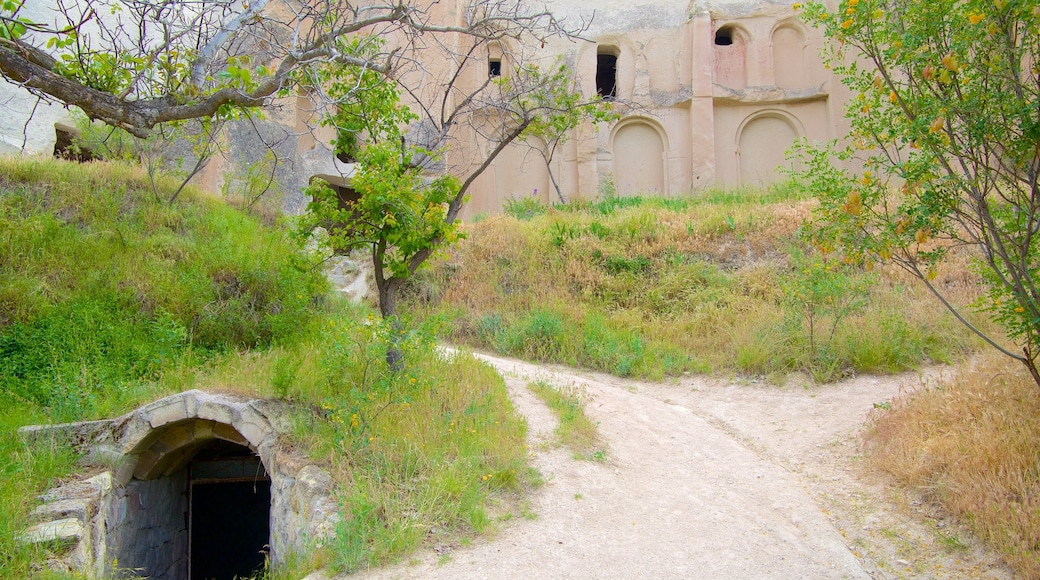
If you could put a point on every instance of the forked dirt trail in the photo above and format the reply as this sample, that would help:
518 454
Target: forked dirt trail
709 479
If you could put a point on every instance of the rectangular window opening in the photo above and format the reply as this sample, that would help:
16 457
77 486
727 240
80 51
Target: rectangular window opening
495 67
606 76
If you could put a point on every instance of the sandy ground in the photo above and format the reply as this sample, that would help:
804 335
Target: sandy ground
707 478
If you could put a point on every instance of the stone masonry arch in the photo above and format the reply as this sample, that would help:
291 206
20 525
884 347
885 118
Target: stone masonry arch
133 515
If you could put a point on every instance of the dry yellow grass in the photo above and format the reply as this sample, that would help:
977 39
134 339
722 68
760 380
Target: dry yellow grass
659 288
972 444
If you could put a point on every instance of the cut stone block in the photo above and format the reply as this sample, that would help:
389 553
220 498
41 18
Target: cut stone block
66 530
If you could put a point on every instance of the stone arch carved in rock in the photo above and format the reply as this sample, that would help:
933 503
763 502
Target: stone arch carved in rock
731 43
762 141
520 171
639 145
136 512
789 47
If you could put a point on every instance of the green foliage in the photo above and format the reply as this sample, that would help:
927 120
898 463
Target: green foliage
822 293
574 429
945 119
105 288
424 449
666 287
524 208
400 215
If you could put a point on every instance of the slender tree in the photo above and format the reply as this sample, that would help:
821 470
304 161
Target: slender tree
946 124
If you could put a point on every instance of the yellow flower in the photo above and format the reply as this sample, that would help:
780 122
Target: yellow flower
797 6
975 17
1020 310
847 23
893 96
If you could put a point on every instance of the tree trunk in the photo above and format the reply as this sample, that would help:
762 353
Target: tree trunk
388 309
1031 365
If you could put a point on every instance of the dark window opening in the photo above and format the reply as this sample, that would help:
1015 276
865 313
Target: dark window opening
66 147
495 67
606 75
346 147
724 37
229 513
345 196
344 157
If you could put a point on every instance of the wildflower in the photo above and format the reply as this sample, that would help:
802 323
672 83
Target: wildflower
1020 309
847 23
975 17
797 6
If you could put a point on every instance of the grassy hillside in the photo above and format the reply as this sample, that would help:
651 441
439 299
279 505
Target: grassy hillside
713 282
110 298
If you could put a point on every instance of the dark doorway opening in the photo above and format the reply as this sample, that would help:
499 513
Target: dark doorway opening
606 75
229 513
495 67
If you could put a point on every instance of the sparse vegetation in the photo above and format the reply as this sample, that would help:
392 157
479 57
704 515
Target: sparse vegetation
969 443
112 298
574 430
714 282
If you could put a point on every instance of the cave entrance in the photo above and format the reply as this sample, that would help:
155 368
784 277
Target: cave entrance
229 513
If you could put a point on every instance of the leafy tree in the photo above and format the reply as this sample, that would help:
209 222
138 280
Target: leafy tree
137 65
945 120
403 213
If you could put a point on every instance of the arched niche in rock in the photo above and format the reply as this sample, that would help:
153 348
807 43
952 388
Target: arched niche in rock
789 56
520 171
638 146
762 142
730 47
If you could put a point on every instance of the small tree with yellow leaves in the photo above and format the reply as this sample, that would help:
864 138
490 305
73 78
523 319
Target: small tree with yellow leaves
946 124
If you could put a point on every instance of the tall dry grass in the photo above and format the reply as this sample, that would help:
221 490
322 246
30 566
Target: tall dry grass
659 287
972 444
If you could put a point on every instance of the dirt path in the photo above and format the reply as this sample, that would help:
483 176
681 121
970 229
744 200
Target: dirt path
710 479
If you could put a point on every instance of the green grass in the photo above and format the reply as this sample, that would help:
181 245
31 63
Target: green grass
110 298
574 429
713 282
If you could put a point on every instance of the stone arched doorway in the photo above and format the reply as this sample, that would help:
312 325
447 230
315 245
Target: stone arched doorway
639 163
200 488
198 505
762 144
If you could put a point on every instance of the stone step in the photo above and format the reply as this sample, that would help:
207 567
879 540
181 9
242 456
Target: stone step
74 508
66 530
